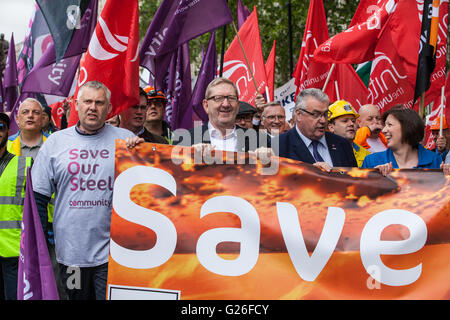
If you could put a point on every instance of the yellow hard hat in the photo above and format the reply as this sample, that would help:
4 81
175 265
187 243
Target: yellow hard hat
341 108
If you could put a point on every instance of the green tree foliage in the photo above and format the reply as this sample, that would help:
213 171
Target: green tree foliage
274 25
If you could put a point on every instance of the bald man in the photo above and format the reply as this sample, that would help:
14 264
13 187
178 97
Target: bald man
369 134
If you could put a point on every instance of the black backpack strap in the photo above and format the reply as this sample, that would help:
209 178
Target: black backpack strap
7 157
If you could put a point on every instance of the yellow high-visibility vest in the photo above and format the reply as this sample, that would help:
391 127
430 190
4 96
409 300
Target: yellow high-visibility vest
12 195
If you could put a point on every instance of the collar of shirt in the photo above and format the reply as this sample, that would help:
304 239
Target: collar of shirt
227 142
307 141
37 145
84 133
322 147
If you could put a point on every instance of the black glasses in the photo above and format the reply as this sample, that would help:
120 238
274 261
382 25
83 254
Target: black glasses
316 114
272 118
220 99
3 127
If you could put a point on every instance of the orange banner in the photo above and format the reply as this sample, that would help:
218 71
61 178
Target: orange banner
182 229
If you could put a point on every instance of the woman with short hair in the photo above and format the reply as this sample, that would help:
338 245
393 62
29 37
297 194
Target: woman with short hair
404 130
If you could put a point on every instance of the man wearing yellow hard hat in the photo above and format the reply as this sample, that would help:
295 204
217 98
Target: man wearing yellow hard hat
342 121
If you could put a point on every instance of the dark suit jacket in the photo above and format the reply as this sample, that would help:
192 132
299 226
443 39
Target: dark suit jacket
292 146
248 139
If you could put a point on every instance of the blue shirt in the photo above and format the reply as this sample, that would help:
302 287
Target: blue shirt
427 159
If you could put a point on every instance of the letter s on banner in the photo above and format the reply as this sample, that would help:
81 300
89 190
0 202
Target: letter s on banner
248 236
123 205
372 247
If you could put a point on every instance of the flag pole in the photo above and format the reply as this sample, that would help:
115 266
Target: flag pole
291 62
222 54
442 111
337 90
329 76
245 56
422 105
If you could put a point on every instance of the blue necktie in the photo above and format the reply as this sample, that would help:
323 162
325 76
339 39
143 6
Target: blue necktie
315 152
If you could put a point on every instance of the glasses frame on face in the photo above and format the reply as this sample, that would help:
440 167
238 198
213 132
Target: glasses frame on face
275 117
246 117
3 126
317 115
220 98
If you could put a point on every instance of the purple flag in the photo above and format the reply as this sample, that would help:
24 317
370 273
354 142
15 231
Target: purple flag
36 280
63 18
175 23
178 91
10 77
242 13
37 40
53 78
207 73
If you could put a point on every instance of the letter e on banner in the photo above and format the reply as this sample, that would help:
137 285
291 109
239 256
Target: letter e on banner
165 230
372 247
248 236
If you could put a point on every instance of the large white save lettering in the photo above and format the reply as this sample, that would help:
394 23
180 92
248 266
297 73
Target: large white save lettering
248 235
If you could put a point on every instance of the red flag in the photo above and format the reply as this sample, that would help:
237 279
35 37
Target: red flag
113 57
307 73
394 68
270 70
235 65
357 43
349 86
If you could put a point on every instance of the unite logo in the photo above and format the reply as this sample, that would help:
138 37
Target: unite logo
118 43
238 72
379 85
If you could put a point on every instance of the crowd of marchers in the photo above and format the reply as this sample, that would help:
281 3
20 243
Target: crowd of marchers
71 165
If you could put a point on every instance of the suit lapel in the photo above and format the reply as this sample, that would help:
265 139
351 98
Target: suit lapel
300 149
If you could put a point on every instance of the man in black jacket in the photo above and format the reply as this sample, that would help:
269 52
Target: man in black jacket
309 141
221 133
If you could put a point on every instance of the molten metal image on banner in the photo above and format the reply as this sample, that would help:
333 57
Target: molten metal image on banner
186 227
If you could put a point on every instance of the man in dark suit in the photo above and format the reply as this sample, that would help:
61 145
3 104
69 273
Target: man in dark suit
221 133
309 141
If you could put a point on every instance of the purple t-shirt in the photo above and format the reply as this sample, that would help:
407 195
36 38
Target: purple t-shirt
79 169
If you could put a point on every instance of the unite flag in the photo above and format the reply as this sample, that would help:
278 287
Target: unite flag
113 57
235 65
175 23
309 73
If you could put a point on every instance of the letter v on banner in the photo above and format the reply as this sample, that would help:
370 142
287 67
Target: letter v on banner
113 57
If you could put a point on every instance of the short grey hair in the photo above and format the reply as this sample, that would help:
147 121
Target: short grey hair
33 100
216 82
97 85
300 102
271 104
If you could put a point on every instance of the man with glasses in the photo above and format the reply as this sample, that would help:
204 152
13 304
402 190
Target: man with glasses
133 119
273 119
244 118
309 141
222 105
